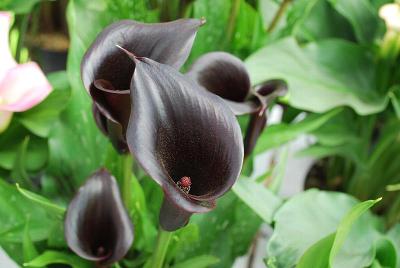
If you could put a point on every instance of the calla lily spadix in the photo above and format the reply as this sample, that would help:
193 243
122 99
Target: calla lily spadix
22 86
185 138
226 76
97 226
107 71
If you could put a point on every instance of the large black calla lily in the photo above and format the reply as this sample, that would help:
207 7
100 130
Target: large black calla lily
187 140
226 76
97 226
107 72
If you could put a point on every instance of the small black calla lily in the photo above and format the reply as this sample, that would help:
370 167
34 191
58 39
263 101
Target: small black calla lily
226 76
187 140
97 226
107 72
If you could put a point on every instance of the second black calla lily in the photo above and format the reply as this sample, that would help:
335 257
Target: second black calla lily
226 76
107 71
187 139
97 226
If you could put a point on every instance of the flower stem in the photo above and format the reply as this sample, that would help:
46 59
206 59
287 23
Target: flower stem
232 20
127 181
23 26
161 248
278 15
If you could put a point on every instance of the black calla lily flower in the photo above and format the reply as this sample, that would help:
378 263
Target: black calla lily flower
226 76
97 226
107 73
185 138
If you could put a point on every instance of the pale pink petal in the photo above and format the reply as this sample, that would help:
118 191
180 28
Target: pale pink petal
23 87
7 60
5 119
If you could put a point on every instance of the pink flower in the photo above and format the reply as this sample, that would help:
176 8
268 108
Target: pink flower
22 86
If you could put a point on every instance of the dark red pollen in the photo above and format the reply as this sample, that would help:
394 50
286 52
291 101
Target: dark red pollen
185 181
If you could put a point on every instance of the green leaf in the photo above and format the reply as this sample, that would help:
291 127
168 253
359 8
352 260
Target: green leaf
52 257
28 247
18 6
385 252
278 172
361 15
394 96
317 256
322 254
15 210
261 200
202 261
41 118
43 202
226 232
311 216
394 236
279 134
346 224
12 140
321 75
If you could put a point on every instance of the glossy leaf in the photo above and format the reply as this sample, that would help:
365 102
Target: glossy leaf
279 134
42 201
258 198
320 76
202 261
97 227
57 257
15 211
298 217
167 134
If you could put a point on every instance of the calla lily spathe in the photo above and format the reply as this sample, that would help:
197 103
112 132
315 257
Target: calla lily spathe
107 71
226 76
97 225
22 86
184 137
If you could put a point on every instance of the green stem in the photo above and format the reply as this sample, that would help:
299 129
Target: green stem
161 248
23 26
127 181
232 20
278 15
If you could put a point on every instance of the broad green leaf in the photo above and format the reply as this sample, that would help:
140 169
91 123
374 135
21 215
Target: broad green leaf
322 22
321 75
361 15
41 118
12 140
311 216
317 256
322 254
279 134
53 257
202 261
385 252
260 199
394 236
43 202
28 247
15 211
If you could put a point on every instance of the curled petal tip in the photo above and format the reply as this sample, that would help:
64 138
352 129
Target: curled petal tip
203 21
